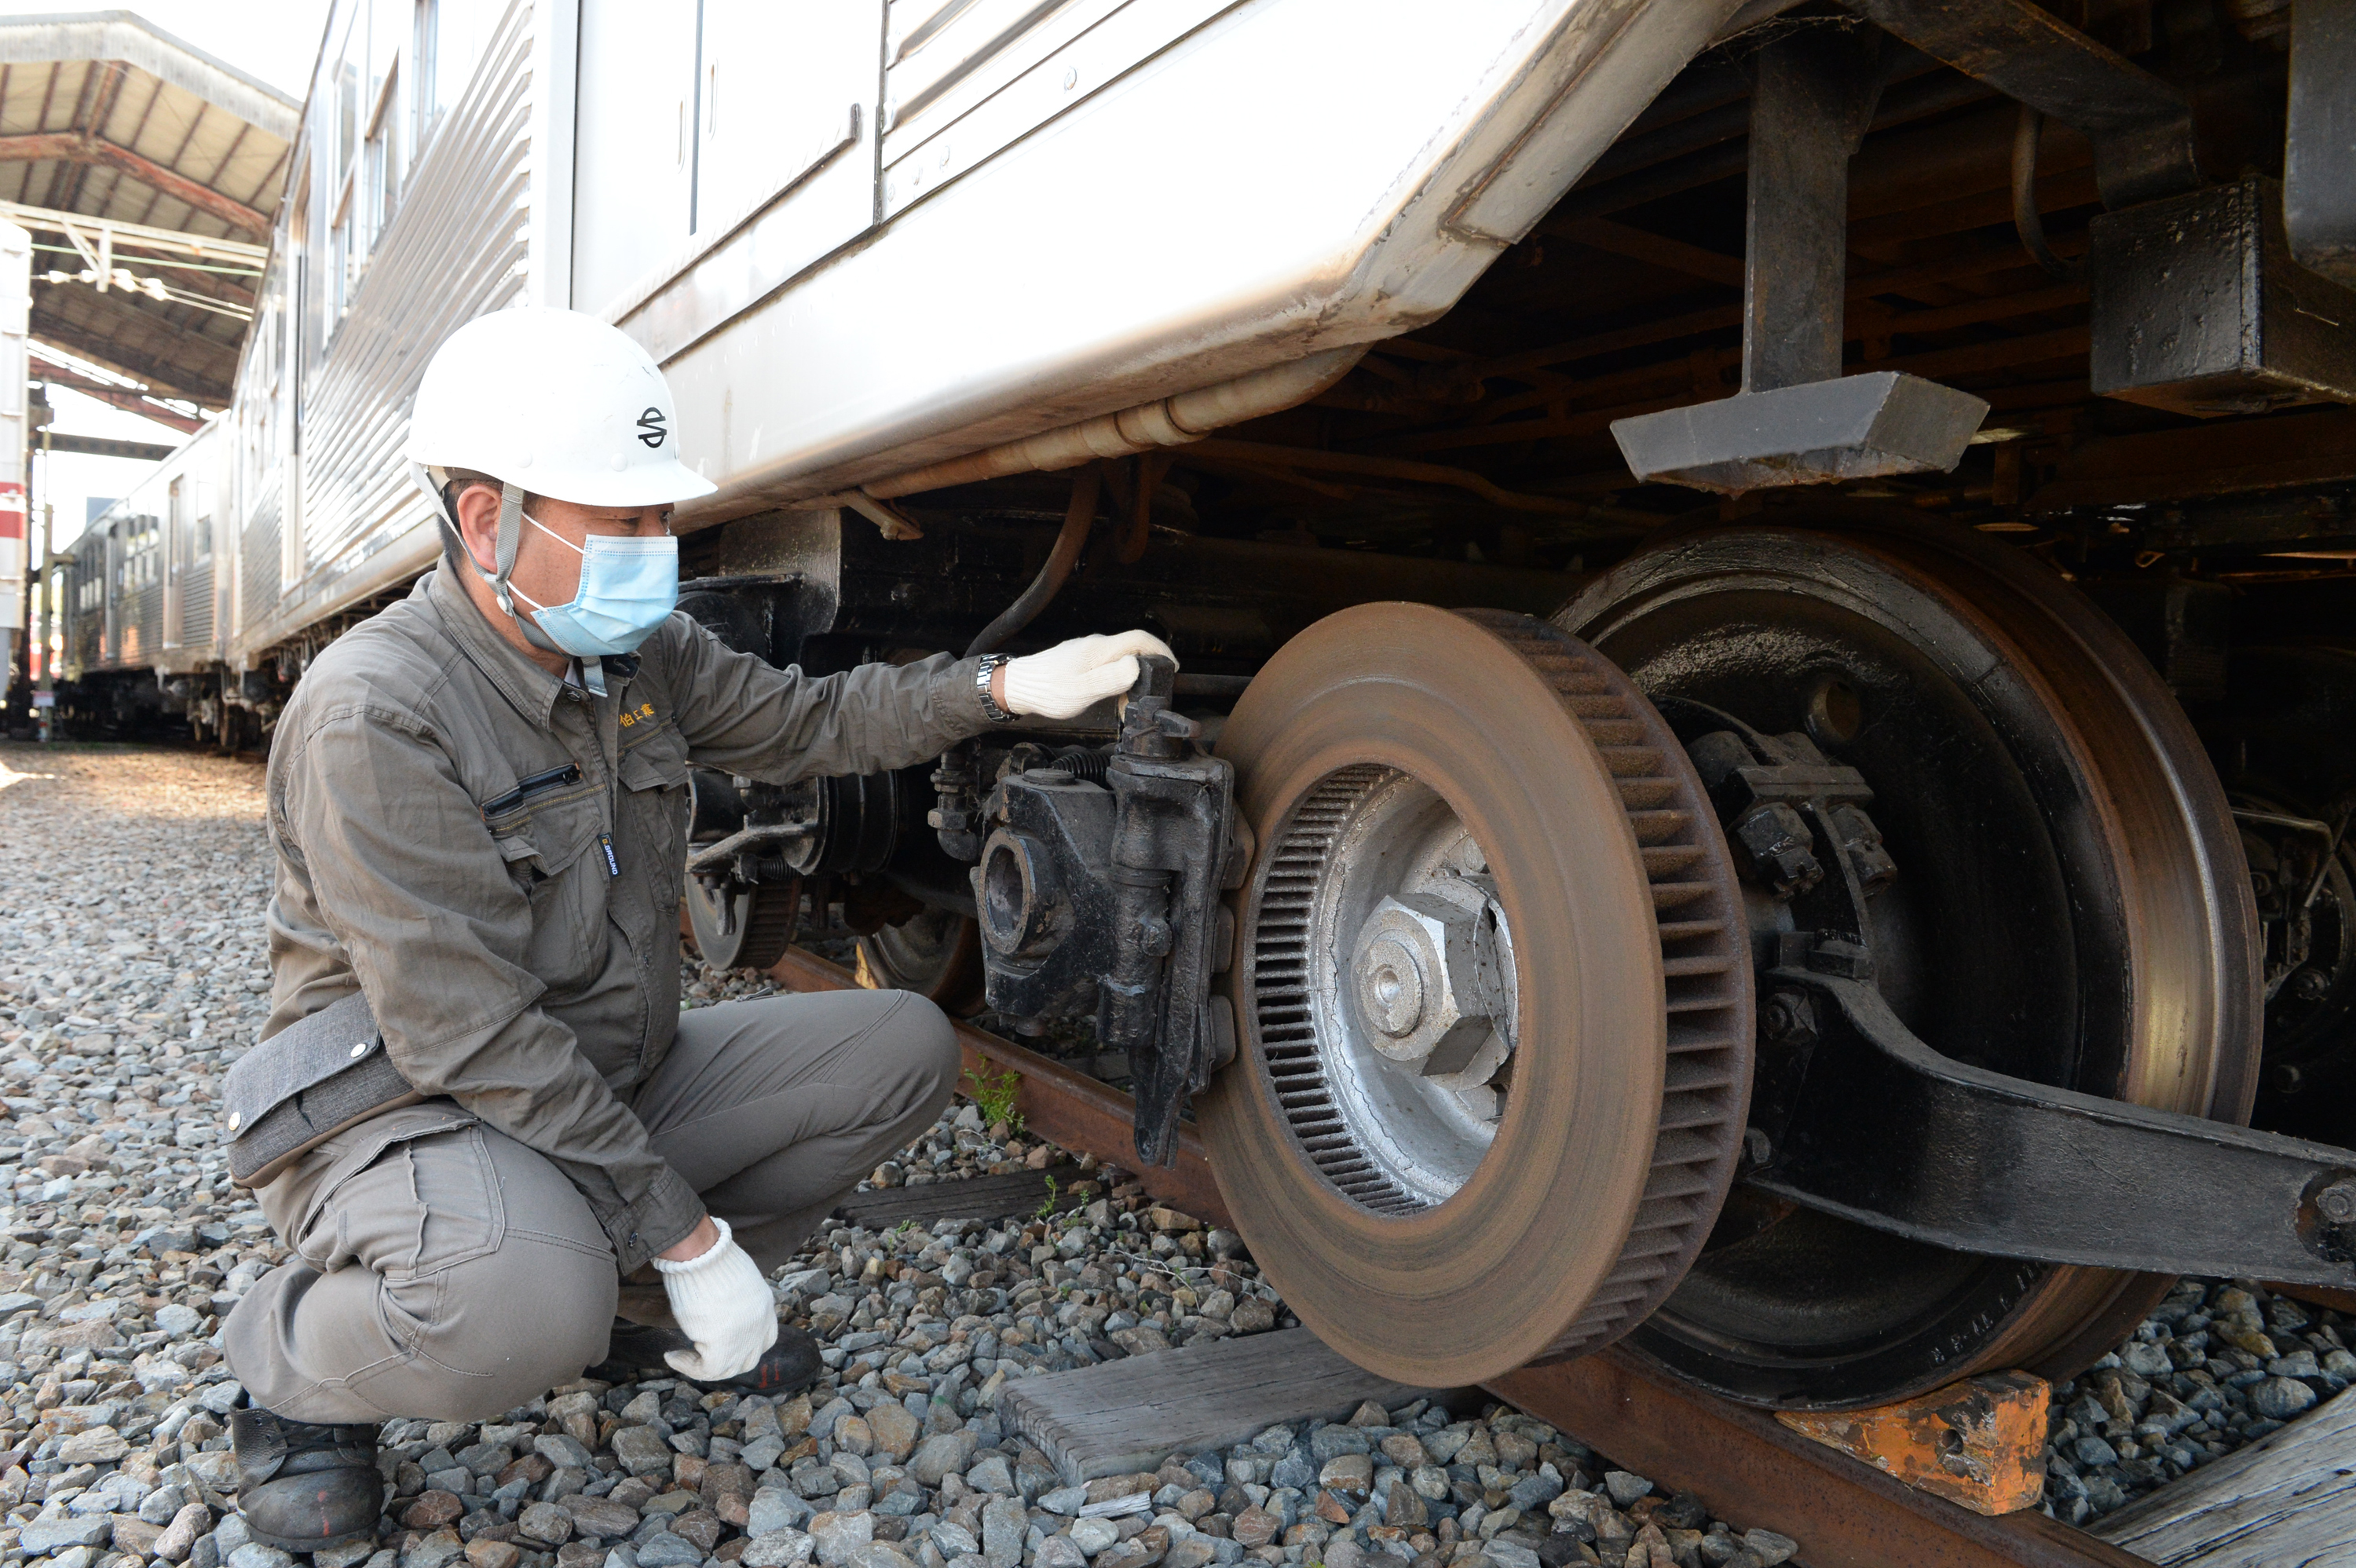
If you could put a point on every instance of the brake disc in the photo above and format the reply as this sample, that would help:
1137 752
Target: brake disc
1494 994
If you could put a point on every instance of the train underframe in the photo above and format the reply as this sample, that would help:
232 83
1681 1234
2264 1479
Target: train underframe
1823 913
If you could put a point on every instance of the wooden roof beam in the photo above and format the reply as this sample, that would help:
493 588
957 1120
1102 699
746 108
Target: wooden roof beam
80 147
164 381
123 397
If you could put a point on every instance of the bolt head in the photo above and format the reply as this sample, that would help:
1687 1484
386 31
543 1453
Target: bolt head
1417 976
1786 1018
2337 1202
2311 984
1390 986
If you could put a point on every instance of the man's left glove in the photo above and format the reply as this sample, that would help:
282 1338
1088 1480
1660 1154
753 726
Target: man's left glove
1064 680
723 1305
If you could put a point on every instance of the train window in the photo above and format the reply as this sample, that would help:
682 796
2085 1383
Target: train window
391 24
381 166
346 251
347 67
303 244
145 551
423 57
450 35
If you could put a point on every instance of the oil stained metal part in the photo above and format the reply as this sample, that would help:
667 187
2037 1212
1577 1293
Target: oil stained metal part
1892 1135
2140 126
2319 153
1986 701
1104 896
2199 308
1797 421
1851 427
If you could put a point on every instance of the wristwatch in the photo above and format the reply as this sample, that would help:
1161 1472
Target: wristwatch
981 679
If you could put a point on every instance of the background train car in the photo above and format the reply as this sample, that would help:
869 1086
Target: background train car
144 601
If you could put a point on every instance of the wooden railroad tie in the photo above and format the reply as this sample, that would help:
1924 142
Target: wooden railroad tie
1016 1194
2289 1497
1128 1415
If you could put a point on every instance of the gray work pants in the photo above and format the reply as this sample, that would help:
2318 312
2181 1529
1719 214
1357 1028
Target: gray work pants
444 1270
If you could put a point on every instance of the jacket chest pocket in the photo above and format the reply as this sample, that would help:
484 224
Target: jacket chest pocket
654 785
554 851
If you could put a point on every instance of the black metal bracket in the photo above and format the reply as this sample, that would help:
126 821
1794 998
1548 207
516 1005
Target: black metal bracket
2141 127
1853 1114
2320 150
1798 420
1105 897
1888 1133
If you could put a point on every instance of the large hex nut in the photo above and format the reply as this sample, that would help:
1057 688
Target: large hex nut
1417 977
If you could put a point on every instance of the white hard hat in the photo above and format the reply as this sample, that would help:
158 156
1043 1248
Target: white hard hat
554 403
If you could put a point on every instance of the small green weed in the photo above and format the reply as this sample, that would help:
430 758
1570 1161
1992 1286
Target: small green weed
995 1097
1047 1205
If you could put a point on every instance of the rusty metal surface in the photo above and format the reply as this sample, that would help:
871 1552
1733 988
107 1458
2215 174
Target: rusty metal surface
2316 1296
1739 1461
1745 1466
1067 1107
1383 1199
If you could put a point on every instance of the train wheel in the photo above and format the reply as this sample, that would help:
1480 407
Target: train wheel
735 926
742 927
2072 907
936 954
1494 993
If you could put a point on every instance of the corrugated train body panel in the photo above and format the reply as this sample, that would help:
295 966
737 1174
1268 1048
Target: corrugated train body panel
454 249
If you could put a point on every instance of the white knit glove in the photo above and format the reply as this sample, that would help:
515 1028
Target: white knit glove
724 1306
1066 679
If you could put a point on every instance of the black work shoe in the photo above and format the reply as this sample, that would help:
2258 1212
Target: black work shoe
786 1367
303 1486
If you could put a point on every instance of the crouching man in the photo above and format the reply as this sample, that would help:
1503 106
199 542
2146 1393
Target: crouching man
506 1154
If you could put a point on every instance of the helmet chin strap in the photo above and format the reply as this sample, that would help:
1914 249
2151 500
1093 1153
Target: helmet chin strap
509 541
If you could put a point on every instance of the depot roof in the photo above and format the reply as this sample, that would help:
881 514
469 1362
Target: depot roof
106 117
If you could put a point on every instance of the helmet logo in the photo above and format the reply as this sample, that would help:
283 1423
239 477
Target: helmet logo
651 427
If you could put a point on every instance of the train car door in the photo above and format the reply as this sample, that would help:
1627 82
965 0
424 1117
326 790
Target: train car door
720 147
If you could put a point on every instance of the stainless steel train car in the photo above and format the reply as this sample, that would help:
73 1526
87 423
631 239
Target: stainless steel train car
144 598
1763 592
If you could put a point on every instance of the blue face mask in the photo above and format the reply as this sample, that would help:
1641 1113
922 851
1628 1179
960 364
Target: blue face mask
628 587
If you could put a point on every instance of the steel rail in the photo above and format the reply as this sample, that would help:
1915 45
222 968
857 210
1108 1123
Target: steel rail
1739 1461
1746 1467
1067 1107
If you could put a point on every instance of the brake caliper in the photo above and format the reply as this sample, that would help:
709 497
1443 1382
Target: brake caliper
1104 898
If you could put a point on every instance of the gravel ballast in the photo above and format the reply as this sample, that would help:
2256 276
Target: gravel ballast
133 969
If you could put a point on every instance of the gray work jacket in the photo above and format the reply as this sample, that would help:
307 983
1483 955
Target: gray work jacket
521 946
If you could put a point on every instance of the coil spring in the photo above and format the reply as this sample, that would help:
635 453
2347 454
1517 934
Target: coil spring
1083 762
